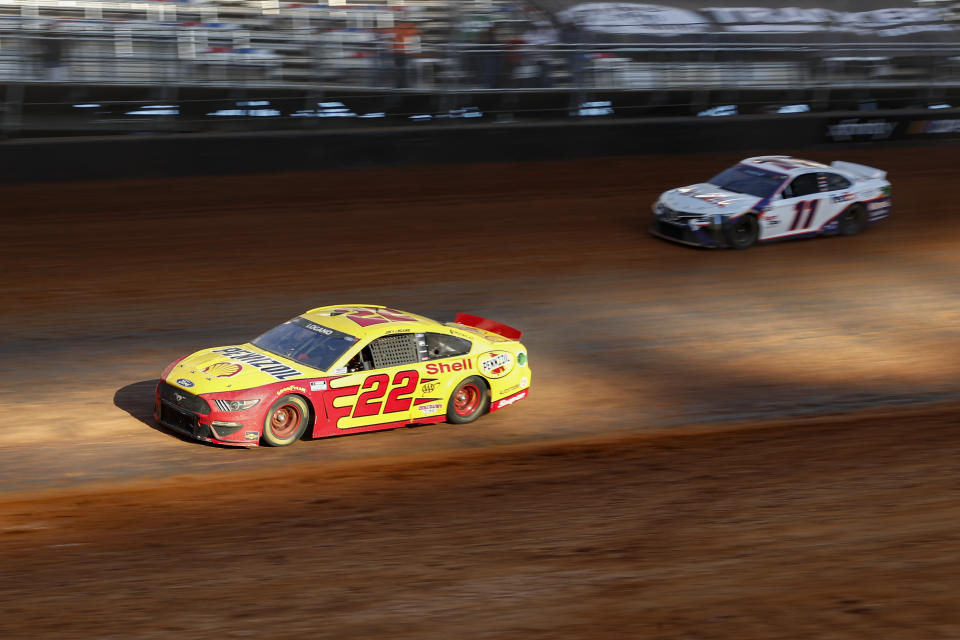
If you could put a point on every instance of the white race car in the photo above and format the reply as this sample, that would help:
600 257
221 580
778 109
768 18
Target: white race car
773 198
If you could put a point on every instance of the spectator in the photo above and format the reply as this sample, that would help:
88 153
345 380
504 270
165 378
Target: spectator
490 58
51 52
516 61
540 39
572 37
405 43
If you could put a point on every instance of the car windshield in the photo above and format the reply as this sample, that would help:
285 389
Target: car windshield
312 344
749 180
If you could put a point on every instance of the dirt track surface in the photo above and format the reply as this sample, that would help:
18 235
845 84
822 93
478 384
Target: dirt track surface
718 444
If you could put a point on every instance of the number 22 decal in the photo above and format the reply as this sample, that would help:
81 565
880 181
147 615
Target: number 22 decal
808 208
374 315
368 404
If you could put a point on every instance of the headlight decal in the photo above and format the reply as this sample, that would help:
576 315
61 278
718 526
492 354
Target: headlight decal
235 405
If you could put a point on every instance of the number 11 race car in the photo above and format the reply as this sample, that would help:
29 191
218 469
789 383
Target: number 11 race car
773 198
344 369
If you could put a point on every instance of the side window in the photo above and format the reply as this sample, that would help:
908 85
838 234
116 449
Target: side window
388 351
439 345
802 185
835 182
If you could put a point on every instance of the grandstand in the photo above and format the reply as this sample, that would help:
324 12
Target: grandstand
230 57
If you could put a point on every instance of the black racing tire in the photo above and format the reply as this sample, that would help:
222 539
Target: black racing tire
852 221
743 232
470 400
285 422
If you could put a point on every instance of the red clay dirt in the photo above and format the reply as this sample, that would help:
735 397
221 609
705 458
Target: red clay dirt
719 444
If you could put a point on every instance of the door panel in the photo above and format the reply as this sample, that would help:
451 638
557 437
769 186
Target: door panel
369 398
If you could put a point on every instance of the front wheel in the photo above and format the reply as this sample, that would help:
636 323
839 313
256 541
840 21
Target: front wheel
468 401
743 232
286 421
852 221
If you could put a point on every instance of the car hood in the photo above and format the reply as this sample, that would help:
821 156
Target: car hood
707 199
233 368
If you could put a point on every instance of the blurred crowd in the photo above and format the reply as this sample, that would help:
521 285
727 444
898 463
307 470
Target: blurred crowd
484 44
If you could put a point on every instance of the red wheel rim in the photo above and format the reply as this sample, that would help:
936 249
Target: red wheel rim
467 400
284 421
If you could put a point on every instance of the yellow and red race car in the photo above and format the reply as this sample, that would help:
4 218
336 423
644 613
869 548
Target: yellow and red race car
344 369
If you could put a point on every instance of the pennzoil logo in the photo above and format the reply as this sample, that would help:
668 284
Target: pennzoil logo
223 369
270 366
495 364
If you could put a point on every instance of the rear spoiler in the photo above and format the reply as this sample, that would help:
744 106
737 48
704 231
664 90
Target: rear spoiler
477 322
860 170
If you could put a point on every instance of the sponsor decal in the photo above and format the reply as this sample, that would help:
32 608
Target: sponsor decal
291 388
851 129
877 206
718 199
495 364
183 382
223 370
506 402
429 387
251 435
843 197
269 366
464 364
428 409
318 385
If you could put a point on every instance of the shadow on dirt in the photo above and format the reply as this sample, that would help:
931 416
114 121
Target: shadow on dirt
137 399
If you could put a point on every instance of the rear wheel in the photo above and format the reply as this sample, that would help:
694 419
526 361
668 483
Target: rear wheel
286 421
742 233
852 221
469 400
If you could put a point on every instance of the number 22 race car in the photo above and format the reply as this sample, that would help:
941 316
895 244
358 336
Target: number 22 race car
344 369
773 198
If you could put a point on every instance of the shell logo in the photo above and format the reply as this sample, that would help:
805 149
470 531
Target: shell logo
495 364
223 369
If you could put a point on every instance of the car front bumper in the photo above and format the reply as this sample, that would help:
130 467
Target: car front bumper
710 236
198 421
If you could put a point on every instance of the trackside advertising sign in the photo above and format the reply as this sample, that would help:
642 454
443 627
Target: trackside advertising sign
882 128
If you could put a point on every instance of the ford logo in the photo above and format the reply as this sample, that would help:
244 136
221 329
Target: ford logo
183 382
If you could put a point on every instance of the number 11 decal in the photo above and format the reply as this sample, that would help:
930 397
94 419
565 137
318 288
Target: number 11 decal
808 207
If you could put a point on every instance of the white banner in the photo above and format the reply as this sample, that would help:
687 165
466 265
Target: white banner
644 19
632 18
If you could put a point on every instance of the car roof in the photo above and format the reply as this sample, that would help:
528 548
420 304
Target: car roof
786 164
351 318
